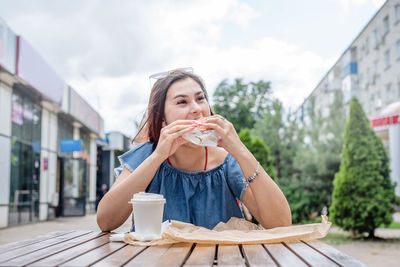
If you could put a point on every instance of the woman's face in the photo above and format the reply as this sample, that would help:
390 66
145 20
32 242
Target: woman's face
185 101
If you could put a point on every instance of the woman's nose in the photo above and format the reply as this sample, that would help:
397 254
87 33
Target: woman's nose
195 107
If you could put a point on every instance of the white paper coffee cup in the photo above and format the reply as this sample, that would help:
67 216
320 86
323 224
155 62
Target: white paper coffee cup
148 211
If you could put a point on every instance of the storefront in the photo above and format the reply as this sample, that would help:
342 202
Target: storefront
41 175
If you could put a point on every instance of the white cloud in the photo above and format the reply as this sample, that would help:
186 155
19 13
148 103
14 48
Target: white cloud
117 46
351 5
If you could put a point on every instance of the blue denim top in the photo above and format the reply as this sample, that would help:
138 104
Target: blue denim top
203 198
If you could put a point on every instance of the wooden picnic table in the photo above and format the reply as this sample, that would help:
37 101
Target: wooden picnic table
84 248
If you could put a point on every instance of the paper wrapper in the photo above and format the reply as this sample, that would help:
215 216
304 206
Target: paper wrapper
236 231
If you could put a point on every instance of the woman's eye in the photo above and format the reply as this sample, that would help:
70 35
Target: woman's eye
201 98
181 102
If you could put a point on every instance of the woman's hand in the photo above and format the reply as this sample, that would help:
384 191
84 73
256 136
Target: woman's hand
171 137
230 140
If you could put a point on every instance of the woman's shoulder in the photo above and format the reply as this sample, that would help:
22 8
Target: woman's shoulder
135 156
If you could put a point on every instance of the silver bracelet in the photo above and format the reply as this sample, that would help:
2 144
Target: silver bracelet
255 174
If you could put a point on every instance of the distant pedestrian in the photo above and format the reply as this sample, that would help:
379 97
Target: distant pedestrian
101 193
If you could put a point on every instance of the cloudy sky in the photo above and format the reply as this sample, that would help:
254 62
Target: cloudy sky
106 50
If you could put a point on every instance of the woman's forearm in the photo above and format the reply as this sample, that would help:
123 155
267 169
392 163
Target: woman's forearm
264 199
113 209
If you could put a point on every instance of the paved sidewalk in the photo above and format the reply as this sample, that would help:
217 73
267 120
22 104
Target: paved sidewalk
20 232
380 232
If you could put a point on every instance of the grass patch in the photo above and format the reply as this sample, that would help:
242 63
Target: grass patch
393 225
337 238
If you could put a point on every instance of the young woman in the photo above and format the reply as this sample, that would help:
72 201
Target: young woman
201 185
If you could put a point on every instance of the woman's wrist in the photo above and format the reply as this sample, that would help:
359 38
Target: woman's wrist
240 151
156 158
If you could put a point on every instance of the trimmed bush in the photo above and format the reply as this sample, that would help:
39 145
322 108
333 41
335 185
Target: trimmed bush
363 192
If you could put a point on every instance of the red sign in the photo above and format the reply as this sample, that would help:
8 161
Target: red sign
45 164
384 121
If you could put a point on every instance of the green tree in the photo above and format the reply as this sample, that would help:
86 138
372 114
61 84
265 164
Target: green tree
308 186
240 102
363 192
282 135
260 151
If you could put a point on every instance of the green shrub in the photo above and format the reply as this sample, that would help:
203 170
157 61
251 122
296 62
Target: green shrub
261 153
363 192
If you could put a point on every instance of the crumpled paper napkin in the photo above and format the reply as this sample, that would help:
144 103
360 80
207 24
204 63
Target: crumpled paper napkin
235 231
141 237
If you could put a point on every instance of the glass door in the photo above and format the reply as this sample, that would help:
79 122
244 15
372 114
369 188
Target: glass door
73 187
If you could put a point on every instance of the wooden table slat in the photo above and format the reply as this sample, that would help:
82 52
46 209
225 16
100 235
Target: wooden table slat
38 246
74 252
149 257
283 255
110 254
84 248
256 255
310 255
202 255
229 255
336 255
49 251
175 255
12 246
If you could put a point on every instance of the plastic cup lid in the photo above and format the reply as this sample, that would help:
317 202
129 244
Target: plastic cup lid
147 197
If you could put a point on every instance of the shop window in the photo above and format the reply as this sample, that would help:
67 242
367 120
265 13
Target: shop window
25 160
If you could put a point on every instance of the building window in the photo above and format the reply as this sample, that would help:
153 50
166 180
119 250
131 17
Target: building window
361 81
376 67
376 38
387 59
378 101
397 9
389 93
398 49
386 25
371 103
398 88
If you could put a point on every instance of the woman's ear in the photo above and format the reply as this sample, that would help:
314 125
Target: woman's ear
163 124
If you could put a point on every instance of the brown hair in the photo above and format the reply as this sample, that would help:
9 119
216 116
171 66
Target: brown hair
151 124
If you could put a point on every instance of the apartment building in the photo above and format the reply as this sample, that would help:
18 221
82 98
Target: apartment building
368 69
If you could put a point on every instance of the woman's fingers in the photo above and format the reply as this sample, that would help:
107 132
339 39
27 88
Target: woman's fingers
180 132
214 126
176 128
217 119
